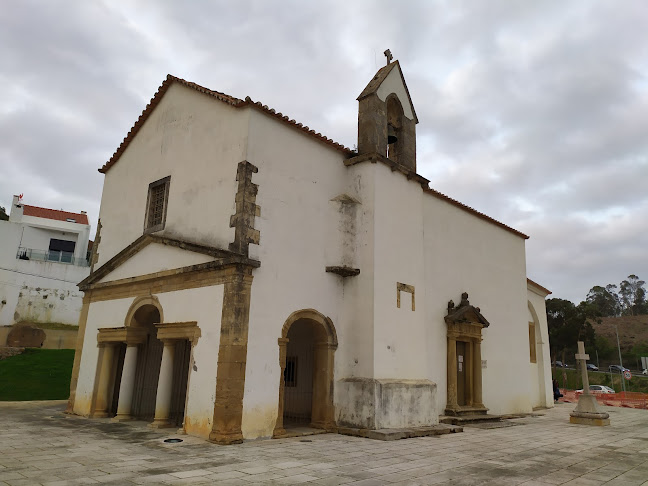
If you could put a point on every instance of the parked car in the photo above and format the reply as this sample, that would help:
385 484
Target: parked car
558 364
598 389
592 367
617 369
644 372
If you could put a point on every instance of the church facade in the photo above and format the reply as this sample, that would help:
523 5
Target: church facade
250 274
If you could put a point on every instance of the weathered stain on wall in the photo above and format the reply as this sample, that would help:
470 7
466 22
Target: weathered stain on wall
40 305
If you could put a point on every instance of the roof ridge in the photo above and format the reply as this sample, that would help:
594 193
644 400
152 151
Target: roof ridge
230 100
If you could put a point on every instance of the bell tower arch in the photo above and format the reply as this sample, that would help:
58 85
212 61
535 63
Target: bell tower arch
387 119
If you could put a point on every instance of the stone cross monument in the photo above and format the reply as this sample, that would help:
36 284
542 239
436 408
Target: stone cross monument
587 411
582 358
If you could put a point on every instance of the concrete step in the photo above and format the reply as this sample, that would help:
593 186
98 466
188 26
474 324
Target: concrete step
404 433
469 419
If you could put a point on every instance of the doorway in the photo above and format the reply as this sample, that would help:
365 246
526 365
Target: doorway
306 351
149 359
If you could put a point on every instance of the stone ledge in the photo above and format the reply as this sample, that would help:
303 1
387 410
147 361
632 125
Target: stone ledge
469 419
404 433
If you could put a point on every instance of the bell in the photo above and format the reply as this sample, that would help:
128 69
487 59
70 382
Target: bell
391 135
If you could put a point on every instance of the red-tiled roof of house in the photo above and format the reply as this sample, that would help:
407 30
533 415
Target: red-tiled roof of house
55 214
230 100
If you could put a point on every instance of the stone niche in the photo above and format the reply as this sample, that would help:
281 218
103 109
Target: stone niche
369 403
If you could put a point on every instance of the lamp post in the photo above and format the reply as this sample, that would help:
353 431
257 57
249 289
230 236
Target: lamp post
620 360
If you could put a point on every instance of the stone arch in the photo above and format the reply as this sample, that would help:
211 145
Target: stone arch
394 127
540 356
141 302
325 344
313 315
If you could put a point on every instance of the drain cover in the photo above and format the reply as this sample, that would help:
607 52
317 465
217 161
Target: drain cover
172 441
305 440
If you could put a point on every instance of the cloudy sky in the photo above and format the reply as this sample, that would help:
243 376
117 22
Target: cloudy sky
535 113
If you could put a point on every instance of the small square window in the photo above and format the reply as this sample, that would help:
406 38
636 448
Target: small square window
156 205
290 373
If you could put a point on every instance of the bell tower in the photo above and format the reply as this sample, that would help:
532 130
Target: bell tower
386 118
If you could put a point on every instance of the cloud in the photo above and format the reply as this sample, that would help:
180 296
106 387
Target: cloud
532 112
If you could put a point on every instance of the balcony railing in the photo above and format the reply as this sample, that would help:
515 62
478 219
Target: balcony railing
51 256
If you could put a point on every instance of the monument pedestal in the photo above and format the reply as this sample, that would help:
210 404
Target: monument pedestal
587 412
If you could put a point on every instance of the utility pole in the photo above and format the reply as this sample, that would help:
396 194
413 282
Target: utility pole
598 365
620 360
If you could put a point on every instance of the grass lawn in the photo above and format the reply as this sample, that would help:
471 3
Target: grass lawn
37 374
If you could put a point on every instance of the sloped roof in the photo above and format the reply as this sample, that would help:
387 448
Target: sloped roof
54 214
230 100
378 79
538 286
483 216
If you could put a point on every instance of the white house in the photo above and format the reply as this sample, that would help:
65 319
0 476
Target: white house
42 259
250 274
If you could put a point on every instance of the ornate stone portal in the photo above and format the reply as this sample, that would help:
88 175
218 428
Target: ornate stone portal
465 324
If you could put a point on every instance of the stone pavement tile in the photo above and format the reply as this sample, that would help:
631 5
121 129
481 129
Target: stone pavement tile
6 476
20 482
298 479
190 474
333 481
583 482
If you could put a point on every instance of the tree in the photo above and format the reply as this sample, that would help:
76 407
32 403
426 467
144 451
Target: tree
605 300
568 324
3 214
604 347
633 296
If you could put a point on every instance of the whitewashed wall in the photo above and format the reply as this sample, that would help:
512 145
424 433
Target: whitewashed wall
297 179
33 290
540 372
196 140
464 253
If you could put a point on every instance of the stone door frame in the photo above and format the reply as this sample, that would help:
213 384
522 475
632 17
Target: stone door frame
323 410
465 324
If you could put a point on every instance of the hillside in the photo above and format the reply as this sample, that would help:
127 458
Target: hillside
632 330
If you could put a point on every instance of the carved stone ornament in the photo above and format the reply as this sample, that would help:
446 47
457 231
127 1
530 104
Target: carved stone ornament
465 313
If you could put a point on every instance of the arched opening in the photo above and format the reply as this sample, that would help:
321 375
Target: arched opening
149 357
537 361
394 127
306 348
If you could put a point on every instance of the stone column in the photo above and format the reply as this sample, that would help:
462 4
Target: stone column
477 375
279 428
104 380
322 415
127 384
165 387
83 319
452 375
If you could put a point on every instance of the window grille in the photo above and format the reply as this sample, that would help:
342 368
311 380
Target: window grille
158 197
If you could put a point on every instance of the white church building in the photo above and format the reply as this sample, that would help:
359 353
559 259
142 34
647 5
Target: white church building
250 274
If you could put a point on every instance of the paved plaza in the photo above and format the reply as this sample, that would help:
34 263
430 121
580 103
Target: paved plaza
41 445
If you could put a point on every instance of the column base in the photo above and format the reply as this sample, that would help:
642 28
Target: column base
226 439
122 417
278 433
99 414
161 424
600 419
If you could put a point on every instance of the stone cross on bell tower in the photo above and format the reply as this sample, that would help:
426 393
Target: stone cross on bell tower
388 55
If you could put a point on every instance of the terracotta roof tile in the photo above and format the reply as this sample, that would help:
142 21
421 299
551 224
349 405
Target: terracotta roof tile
55 214
230 100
